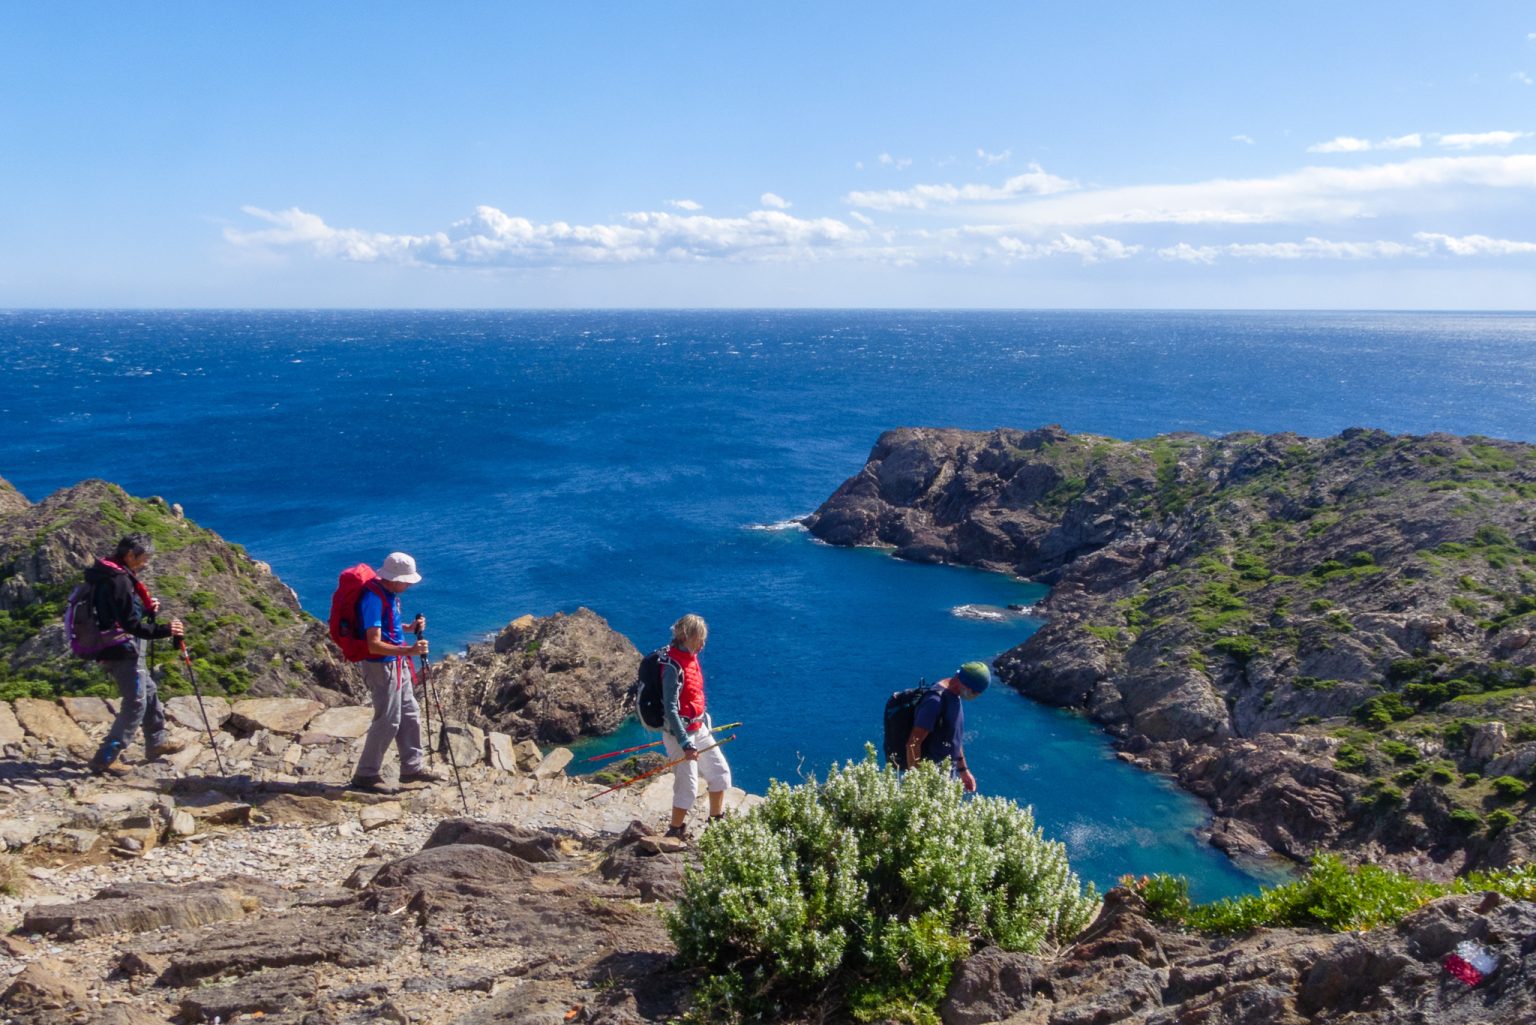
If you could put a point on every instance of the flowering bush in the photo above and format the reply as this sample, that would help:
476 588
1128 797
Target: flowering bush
865 890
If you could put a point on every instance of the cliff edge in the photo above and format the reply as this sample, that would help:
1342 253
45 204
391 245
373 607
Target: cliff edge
1329 639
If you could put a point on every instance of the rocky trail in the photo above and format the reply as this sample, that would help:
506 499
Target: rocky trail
271 893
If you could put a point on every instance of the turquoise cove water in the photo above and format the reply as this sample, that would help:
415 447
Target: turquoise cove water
645 464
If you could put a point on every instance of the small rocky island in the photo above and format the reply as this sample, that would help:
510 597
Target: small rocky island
1328 639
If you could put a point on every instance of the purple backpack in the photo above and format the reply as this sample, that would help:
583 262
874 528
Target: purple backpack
86 638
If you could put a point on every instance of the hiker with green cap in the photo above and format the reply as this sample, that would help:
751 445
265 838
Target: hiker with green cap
938 722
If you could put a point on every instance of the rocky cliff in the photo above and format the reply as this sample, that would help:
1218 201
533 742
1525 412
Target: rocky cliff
1327 638
246 632
549 679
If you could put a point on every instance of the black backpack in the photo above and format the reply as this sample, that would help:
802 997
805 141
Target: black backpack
646 693
900 710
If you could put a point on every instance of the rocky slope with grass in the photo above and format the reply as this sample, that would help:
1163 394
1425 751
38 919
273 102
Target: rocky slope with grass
1329 639
246 633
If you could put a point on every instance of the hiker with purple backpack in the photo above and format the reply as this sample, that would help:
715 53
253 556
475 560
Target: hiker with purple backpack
111 620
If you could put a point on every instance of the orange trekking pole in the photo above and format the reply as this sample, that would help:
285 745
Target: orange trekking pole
659 768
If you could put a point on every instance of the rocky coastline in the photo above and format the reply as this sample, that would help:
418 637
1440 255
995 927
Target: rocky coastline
237 881
1328 639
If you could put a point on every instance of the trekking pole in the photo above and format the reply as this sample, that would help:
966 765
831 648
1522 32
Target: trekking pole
660 768
426 684
642 747
181 643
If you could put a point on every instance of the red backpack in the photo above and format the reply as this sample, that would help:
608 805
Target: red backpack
346 630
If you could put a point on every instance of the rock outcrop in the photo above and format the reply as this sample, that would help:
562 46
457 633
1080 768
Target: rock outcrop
549 680
246 631
1126 968
1370 596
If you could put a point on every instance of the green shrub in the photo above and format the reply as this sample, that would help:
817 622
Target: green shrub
870 885
1241 648
1466 821
1167 896
1383 710
1381 795
1500 819
1525 731
1334 896
1398 751
1349 758
1509 788
1440 774
1472 778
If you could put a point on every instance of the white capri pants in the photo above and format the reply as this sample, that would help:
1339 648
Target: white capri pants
685 774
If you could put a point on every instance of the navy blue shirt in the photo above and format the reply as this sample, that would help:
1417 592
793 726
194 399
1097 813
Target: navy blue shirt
943 716
370 611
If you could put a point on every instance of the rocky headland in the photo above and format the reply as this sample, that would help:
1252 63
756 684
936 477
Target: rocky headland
245 630
1328 639
237 881
547 679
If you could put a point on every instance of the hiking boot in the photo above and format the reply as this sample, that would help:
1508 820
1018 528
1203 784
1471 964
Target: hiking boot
677 833
372 785
422 776
161 748
115 770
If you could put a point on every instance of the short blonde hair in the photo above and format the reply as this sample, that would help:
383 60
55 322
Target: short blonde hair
690 632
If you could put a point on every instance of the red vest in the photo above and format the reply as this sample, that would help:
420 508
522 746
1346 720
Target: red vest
690 697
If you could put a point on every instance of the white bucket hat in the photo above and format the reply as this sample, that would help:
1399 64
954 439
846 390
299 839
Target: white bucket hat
400 568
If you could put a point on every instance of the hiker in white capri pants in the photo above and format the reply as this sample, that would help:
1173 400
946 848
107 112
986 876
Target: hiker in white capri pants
686 726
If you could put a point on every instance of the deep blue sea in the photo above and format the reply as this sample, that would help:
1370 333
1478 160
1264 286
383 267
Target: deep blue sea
644 464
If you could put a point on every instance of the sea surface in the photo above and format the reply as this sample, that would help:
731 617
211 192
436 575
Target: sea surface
646 464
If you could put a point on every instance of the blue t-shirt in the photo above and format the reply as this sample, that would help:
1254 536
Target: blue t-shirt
942 714
370 613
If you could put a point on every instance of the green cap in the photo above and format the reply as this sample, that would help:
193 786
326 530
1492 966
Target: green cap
975 675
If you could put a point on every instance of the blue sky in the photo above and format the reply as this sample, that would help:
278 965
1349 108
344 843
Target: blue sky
1227 155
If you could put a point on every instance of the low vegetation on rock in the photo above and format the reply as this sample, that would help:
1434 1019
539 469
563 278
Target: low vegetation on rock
863 891
246 632
1332 895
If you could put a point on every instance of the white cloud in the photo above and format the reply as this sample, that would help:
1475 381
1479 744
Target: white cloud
1307 249
900 163
1190 254
1089 250
988 159
1245 139
1320 249
685 204
1469 140
776 202
1476 245
1341 144
493 238
1035 181
1425 244
867 221
1316 194
1521 78
1350 144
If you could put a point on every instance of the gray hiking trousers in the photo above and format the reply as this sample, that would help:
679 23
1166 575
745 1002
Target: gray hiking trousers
139 705
396 718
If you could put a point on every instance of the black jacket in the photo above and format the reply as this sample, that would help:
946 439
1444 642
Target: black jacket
117 603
